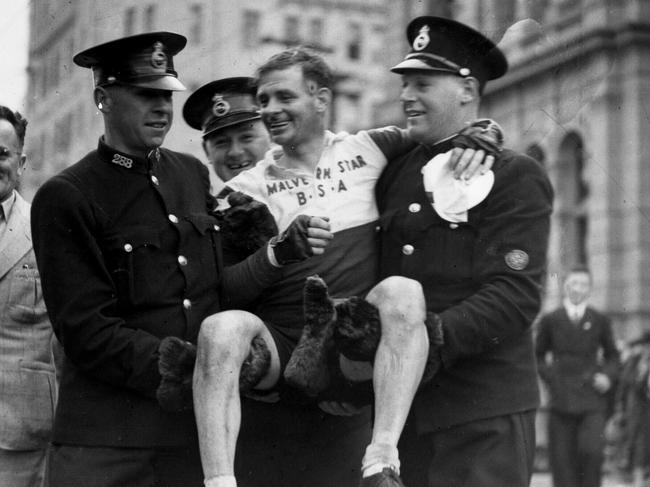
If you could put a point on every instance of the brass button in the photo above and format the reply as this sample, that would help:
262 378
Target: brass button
128 247
453 226
378 228
187 304
408 249
414 207
173 218
182 260
216 228
154 180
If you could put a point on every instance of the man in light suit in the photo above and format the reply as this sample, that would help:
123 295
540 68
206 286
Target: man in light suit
27 384
584 363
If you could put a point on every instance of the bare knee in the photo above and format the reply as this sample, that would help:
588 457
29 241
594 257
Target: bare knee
401 305
399 298
226 335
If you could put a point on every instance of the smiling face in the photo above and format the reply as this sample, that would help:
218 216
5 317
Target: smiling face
137 119
290 106
12 160
234 149
432 105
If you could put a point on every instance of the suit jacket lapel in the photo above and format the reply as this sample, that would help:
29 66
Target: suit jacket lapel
17 240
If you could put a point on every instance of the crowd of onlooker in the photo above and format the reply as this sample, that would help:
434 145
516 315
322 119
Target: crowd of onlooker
627 432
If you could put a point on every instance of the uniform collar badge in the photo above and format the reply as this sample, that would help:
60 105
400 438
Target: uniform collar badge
122 160
221 107
422 40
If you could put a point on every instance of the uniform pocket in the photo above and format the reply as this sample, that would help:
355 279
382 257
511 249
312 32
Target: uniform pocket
127 254
207 227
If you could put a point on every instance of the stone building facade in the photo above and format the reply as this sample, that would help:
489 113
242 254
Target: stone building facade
225 38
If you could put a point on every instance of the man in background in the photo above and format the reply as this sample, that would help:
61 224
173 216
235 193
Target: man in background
234 137
26 369
576 336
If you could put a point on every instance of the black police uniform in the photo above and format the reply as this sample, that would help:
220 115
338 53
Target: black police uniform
473 424
128 254
577 411
483 279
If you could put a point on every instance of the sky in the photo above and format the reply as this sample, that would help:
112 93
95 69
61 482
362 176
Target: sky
13 52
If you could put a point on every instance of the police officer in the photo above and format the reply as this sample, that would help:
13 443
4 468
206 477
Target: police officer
130 256
479 255
579 373
234 137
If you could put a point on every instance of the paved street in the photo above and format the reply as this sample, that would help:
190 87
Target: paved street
544 480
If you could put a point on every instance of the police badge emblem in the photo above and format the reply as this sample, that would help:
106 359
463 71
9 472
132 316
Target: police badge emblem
158 57
517 259
422 40
221 107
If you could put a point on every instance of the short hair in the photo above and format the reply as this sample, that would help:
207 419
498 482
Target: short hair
579 269
313 66
17 120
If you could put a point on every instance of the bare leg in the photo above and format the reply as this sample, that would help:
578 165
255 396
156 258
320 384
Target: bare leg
399 364
223 345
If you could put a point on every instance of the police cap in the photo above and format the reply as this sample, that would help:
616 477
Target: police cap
440 44
222 103
144 60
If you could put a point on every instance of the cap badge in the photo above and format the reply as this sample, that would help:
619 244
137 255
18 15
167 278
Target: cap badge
423 39
517 259
221 107
158 57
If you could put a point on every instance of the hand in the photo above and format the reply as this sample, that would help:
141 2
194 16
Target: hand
247 224
339 408
306 236
601 382
176 359
466 163
485 138
319 234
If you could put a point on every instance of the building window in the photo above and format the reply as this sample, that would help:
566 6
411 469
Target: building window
54 75
129 21
291 30
43 76
504 17
317 32
354 43
63 135
536 10
441 8
196 27
378 46
573 195
150 18
251 30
